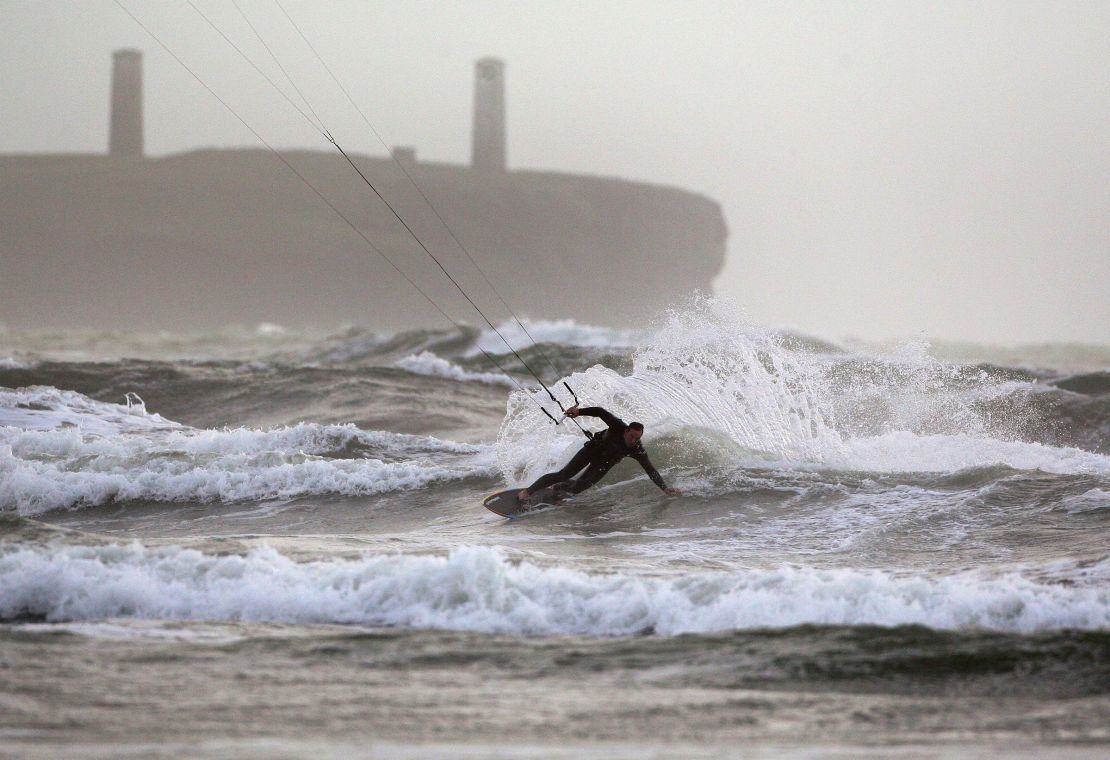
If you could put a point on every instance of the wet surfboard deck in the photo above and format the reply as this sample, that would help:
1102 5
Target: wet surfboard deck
506 504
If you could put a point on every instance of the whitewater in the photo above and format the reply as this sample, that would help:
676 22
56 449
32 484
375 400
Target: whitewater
893 534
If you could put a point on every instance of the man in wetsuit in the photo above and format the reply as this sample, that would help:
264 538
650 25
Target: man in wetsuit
600 453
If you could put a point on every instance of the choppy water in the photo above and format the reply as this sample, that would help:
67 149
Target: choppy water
873 548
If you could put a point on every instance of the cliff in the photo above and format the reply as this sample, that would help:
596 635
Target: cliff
203 239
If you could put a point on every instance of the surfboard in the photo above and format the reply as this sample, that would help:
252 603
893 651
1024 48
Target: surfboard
506 504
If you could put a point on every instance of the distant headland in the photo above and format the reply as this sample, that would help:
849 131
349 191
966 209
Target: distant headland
203 239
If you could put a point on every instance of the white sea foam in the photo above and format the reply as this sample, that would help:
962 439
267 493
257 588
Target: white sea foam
59 449
267 329
45 470
11 362
96 472
566 332
711 381
45 408
137 629
1093 500
906 452
427 363
479 589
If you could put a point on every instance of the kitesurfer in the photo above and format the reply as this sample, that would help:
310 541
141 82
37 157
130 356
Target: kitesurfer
598 455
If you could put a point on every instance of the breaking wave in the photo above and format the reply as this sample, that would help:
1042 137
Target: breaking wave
564 332
427 363
479 589
59 449
710 380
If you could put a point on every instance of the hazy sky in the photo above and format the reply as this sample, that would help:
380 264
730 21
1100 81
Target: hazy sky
887 169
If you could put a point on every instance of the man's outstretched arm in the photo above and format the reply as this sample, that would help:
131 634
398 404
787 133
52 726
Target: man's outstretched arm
604 415
653 473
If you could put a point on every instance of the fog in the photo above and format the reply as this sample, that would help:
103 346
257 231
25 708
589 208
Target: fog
887 170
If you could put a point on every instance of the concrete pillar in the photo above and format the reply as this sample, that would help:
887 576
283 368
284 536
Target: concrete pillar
488 153
125 138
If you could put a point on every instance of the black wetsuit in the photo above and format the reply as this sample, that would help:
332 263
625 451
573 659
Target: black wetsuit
600 453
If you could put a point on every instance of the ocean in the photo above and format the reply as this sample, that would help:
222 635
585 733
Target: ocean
269 542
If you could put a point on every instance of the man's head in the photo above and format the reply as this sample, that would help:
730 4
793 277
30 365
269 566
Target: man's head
633 433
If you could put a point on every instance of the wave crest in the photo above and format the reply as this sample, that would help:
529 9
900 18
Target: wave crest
79 452
479 589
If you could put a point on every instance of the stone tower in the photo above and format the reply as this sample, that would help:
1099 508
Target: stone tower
488 152
125 138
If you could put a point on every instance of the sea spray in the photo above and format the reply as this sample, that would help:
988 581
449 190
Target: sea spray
707 372
711 380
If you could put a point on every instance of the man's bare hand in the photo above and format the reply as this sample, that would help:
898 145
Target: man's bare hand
572 412
672 492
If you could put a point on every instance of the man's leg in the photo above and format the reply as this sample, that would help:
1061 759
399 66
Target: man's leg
577 462
589 477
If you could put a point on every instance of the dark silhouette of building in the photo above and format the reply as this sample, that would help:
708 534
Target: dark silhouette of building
488 153
126 135
404 154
